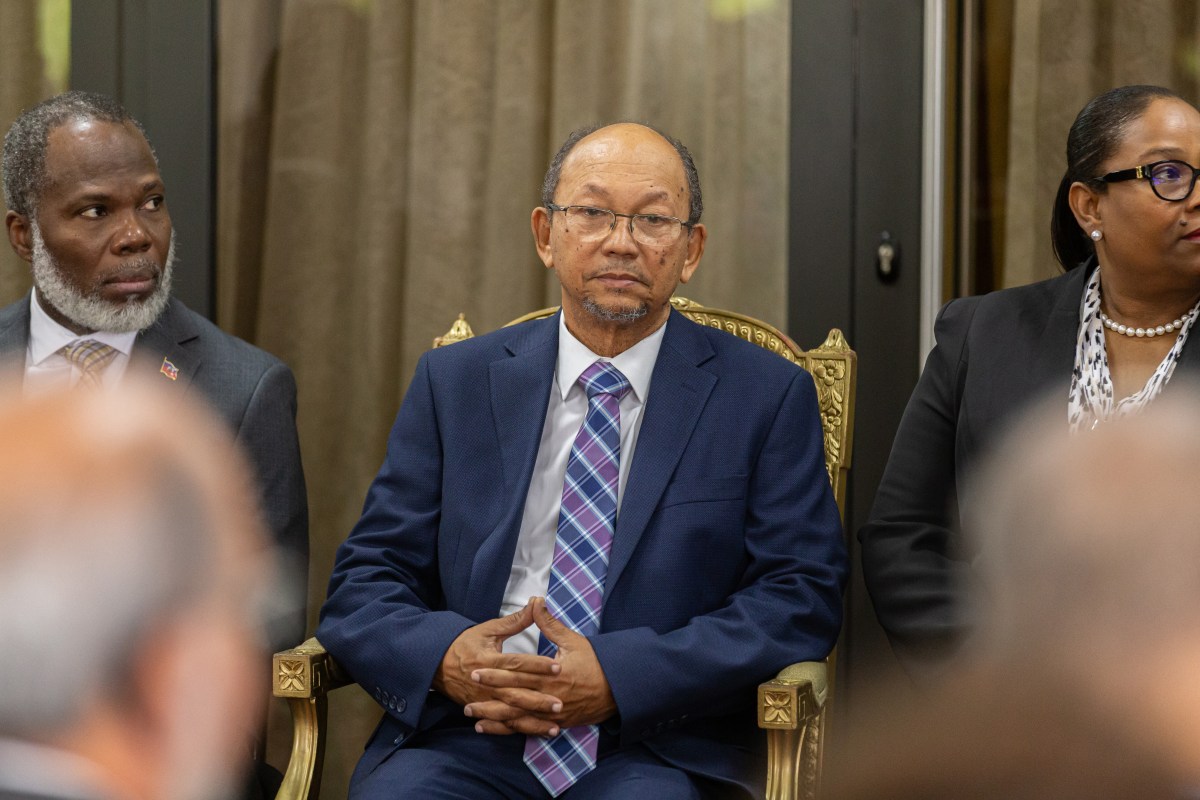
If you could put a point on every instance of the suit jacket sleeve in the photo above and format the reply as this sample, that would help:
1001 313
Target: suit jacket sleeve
913 571
379 620
268 434
787 609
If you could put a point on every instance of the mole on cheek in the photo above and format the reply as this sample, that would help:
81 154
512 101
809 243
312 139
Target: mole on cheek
662 260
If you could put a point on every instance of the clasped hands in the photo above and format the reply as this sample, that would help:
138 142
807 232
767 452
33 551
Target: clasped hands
520 693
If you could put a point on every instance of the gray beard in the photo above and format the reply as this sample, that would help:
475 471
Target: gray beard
614 315
88 309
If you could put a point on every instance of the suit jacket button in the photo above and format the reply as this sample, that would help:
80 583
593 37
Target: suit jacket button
398 740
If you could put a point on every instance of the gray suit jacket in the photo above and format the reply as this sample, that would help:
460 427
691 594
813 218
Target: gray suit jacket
251 390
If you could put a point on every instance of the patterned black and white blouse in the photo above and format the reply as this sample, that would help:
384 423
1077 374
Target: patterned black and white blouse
1091 397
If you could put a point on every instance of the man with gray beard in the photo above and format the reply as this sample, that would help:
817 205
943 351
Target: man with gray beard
87 209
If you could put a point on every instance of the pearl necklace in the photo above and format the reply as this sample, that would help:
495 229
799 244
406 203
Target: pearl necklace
1146 333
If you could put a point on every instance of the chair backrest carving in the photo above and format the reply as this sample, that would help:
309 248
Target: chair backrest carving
831 365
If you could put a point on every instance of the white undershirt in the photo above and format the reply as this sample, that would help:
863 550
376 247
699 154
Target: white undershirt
47 369
530 574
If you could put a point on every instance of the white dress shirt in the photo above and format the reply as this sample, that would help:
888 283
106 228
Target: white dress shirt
568 405
47 369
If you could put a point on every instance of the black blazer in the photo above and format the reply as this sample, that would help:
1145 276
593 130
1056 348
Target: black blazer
994 356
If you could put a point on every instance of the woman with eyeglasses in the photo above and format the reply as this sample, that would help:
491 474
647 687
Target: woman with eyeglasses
1106 338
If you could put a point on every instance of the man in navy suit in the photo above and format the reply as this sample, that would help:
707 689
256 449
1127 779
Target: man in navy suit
534 630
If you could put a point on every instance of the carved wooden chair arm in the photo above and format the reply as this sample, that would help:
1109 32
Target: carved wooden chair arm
791 709
304 676
307 671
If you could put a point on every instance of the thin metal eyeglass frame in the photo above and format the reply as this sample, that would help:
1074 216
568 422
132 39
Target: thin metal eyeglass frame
1146 172
613 220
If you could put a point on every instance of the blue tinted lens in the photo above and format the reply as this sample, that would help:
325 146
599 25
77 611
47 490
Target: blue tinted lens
1169 172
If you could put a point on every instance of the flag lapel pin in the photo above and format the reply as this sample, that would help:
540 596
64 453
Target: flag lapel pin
169 369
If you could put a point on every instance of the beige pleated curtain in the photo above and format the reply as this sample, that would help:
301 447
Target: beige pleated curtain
378 163
27 75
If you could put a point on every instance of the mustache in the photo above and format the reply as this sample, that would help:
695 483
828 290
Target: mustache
624 270
135 270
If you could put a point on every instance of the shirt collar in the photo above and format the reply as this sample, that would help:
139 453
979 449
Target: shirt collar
47 337
636 363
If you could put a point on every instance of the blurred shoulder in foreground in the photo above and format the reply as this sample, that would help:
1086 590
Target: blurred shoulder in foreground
1080 682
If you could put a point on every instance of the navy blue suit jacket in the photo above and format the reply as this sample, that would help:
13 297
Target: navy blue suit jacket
727 562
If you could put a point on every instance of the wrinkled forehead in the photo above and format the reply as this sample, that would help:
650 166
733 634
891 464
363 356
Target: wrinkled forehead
84 151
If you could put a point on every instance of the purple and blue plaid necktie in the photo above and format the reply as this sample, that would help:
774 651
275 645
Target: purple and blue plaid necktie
585 532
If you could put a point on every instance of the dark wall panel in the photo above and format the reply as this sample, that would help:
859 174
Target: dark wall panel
157 58
821 163
855 173
886 314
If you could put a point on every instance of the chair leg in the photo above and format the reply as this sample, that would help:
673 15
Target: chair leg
794 761
302 781
783 774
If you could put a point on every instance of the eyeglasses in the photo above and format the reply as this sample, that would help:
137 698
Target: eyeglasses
1171 180
590 224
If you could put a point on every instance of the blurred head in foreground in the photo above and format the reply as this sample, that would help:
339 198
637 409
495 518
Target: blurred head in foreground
129 560
1089 545
1082 680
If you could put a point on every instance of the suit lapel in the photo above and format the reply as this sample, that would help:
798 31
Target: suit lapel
1188 365
163 352
1052 358
520 389
1189 357
14 336
679 390
168 338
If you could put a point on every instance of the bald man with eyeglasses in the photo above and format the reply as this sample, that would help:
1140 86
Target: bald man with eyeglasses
588 542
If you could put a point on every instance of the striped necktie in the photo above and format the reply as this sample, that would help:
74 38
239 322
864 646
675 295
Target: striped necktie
585 531
90 358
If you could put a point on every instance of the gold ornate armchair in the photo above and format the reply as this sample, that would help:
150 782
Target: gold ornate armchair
791 707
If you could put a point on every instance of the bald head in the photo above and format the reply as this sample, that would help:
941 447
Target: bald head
646 136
